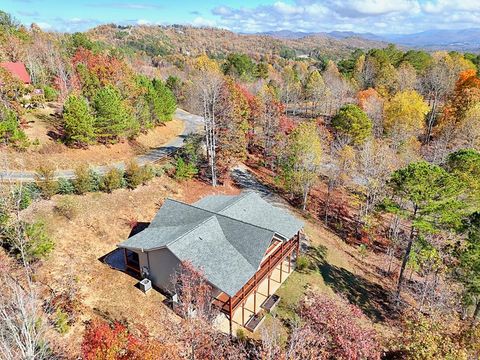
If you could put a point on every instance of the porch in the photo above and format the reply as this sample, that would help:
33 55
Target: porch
255 297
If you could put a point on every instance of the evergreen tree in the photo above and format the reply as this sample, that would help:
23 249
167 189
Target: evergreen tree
165 102
351 122
428 196
113 117
469 270
78 121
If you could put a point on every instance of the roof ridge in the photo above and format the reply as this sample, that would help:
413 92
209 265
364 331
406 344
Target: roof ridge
239 197
225 216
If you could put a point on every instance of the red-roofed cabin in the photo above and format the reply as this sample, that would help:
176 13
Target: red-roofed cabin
18 70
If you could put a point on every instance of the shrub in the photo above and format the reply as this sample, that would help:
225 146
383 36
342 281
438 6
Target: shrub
10 130
65 186
39 243
112 180
28 240
61 321
67 206
96 180
83 181
303 263
184 171
136 175
45 180
50 93
24 195
241 335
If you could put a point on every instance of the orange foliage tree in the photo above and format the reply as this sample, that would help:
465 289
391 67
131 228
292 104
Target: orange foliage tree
465 95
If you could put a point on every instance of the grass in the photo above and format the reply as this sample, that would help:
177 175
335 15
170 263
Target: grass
331 269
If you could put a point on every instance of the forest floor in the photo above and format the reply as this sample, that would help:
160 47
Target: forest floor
103 220
40 128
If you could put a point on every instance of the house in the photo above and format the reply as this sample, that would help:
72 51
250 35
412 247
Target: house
245 247
18 70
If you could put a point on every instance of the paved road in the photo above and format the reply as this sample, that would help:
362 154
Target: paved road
193 124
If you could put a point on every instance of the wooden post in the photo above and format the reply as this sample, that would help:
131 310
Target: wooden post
243 313
289 261
255 294
281 270
230 313
268 288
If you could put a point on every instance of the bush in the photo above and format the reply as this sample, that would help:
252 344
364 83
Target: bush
24 195
65 186
184 171
50 93
29 240
303 263
61 321
10 131
241 335
67 206
112 180
83 181
45 180
136 175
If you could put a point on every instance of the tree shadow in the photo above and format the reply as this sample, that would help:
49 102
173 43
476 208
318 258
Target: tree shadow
371 298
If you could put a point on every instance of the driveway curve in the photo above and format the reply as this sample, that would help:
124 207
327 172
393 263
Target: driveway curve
193 124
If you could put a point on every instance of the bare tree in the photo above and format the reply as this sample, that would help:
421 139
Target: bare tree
376 161
438 81
22 322
205 94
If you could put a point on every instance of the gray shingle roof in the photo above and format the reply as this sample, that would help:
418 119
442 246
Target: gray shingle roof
249 207
217 234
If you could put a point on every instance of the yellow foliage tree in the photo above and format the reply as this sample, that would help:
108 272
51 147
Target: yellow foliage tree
405 116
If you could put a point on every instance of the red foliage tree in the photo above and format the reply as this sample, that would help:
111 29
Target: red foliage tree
334 329
116 342
102 341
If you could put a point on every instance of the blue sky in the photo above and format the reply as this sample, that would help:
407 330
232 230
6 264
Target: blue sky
378 16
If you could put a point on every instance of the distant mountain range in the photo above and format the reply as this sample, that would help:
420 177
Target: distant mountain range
461 40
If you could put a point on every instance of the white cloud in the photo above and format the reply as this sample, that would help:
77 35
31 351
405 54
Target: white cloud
381 16
44 26
201 21
143 22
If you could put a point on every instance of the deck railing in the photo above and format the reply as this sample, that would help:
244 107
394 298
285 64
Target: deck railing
266 268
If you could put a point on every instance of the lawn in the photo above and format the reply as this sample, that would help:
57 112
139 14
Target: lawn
336 269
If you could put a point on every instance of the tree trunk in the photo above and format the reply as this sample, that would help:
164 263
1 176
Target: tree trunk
408 250
305 195
476 313
431 119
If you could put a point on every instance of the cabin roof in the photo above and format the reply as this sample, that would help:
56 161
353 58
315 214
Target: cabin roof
18 70
225 236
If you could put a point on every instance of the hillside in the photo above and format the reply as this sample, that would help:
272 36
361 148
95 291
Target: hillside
435 39
161 40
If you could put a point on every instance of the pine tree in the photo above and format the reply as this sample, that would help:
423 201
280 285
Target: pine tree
78 121
113 117
351 122
165 102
